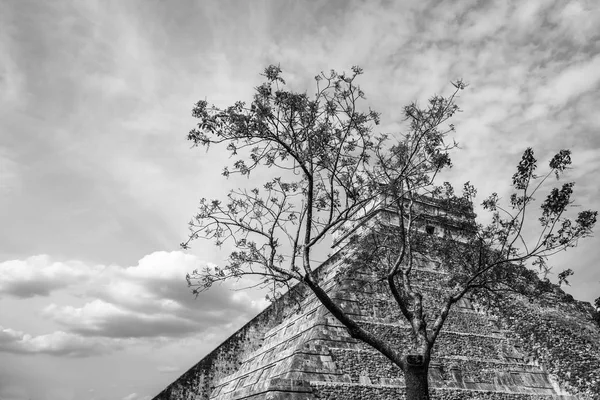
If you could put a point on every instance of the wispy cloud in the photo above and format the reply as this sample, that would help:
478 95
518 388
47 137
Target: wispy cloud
571 82
10 179
167 369
135 396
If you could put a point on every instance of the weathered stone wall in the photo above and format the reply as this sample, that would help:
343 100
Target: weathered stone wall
371 366
198 382
291 353
368 392
252 353
561 335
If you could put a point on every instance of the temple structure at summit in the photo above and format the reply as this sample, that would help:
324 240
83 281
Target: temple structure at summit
525 350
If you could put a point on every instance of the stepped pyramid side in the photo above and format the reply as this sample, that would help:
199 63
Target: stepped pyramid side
560 334
260 340
296 349
291 352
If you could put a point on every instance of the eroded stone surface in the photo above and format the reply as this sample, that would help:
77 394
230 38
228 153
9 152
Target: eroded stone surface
522 351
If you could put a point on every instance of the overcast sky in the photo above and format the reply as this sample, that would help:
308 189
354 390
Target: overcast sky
97 181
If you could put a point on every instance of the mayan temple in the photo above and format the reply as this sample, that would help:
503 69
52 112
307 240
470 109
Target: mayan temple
295 349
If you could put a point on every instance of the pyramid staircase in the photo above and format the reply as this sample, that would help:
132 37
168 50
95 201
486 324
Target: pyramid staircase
296 349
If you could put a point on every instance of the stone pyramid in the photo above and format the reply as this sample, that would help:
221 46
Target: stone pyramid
295 349
292 351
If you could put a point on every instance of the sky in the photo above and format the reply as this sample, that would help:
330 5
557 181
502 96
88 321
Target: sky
97 180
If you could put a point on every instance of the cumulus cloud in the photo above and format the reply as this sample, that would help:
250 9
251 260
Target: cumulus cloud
40 276
58 343
143 302
99 318
150 299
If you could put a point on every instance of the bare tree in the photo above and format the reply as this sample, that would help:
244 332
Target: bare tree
331 172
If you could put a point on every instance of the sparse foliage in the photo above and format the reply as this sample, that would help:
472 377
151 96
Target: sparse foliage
331 172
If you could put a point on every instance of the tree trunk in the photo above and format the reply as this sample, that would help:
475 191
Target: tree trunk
416 377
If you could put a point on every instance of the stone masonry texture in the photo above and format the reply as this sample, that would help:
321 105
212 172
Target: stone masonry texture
295 349
523 350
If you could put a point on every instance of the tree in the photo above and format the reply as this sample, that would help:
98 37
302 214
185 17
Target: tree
331 171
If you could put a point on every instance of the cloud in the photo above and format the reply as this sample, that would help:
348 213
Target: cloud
99 318
135 396
577 20
137 304
573 81
148 300
12 79
39 276
9 173
143 302
484 22
58 343
167 369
